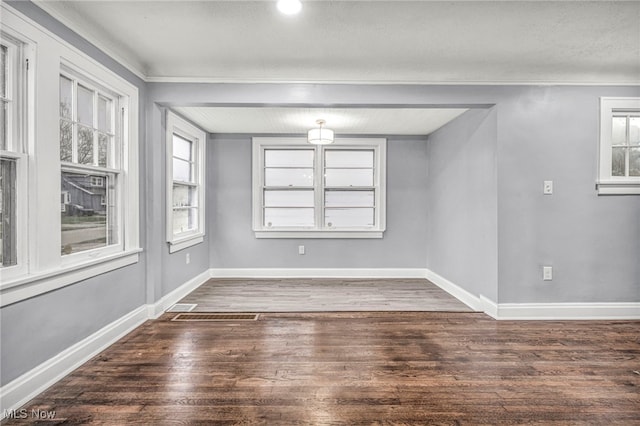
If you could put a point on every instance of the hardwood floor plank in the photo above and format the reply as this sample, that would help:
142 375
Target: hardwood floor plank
350 368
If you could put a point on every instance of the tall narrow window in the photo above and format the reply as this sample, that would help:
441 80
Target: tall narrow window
90 167
619 146
319 192
185 183
12 157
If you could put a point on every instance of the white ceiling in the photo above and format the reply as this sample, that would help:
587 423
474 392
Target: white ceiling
369 121
359 41
366 41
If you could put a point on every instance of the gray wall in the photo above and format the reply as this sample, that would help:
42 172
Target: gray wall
592 242
233 244
34 330
462 214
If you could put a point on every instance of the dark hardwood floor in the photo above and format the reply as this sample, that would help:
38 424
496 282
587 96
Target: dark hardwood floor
358 368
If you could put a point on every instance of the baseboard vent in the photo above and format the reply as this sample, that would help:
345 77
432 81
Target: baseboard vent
182 307
204 316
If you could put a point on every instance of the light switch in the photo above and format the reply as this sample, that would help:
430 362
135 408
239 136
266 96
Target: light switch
300 249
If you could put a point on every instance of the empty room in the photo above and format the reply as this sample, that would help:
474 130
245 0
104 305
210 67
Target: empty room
319 212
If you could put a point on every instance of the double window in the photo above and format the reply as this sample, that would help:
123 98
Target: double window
66 178
335 191
619 171
185 183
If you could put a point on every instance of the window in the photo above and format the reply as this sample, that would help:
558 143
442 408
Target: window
90 168
306 191
185 183
69 203
619 146
12 158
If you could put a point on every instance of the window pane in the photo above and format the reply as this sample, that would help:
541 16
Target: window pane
300 158
104 142
349 177
181 170
339 158
85 106
184 196
278 217
3 125
66 98
3 71
288 198
182 148
349 198
66 140
634 131
634 162
348 218
85 145
618 162
619 131
185 220
104 114
88 219
8 231
288 177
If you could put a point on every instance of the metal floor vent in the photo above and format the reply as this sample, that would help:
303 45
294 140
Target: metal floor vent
182 307
204 316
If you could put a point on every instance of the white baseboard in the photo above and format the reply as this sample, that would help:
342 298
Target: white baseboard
174 297
24 388
317 273
568 311
477 303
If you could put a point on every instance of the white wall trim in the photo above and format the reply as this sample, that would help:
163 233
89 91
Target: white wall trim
24 388
158 308
317 273
569 311
471 300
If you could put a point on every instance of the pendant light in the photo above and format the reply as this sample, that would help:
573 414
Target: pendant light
320 135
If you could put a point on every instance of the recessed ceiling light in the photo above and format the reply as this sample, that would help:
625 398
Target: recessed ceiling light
289 7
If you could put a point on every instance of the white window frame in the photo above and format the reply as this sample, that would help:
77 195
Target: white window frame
20 51
606 183
181 127
45 269
378 145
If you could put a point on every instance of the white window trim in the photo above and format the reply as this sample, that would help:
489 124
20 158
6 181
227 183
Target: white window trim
46 270
607 184
177 125
379 145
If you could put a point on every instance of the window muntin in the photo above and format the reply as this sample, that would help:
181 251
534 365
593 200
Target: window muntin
318 191
90 171
185 183
619 165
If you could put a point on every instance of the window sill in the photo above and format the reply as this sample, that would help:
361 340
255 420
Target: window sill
31 285
184 243
319 234
618 188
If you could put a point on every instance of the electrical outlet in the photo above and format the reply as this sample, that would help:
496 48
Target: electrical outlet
300 249
548 187
187 258
547 273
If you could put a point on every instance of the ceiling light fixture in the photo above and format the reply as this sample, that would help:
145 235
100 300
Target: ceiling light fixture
289 7
321 135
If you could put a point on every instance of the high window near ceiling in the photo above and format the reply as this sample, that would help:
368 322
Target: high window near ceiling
619 165
305 191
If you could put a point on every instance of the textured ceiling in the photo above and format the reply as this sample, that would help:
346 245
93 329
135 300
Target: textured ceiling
366 41
369 121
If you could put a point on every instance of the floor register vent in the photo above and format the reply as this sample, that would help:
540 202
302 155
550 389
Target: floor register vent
204 316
